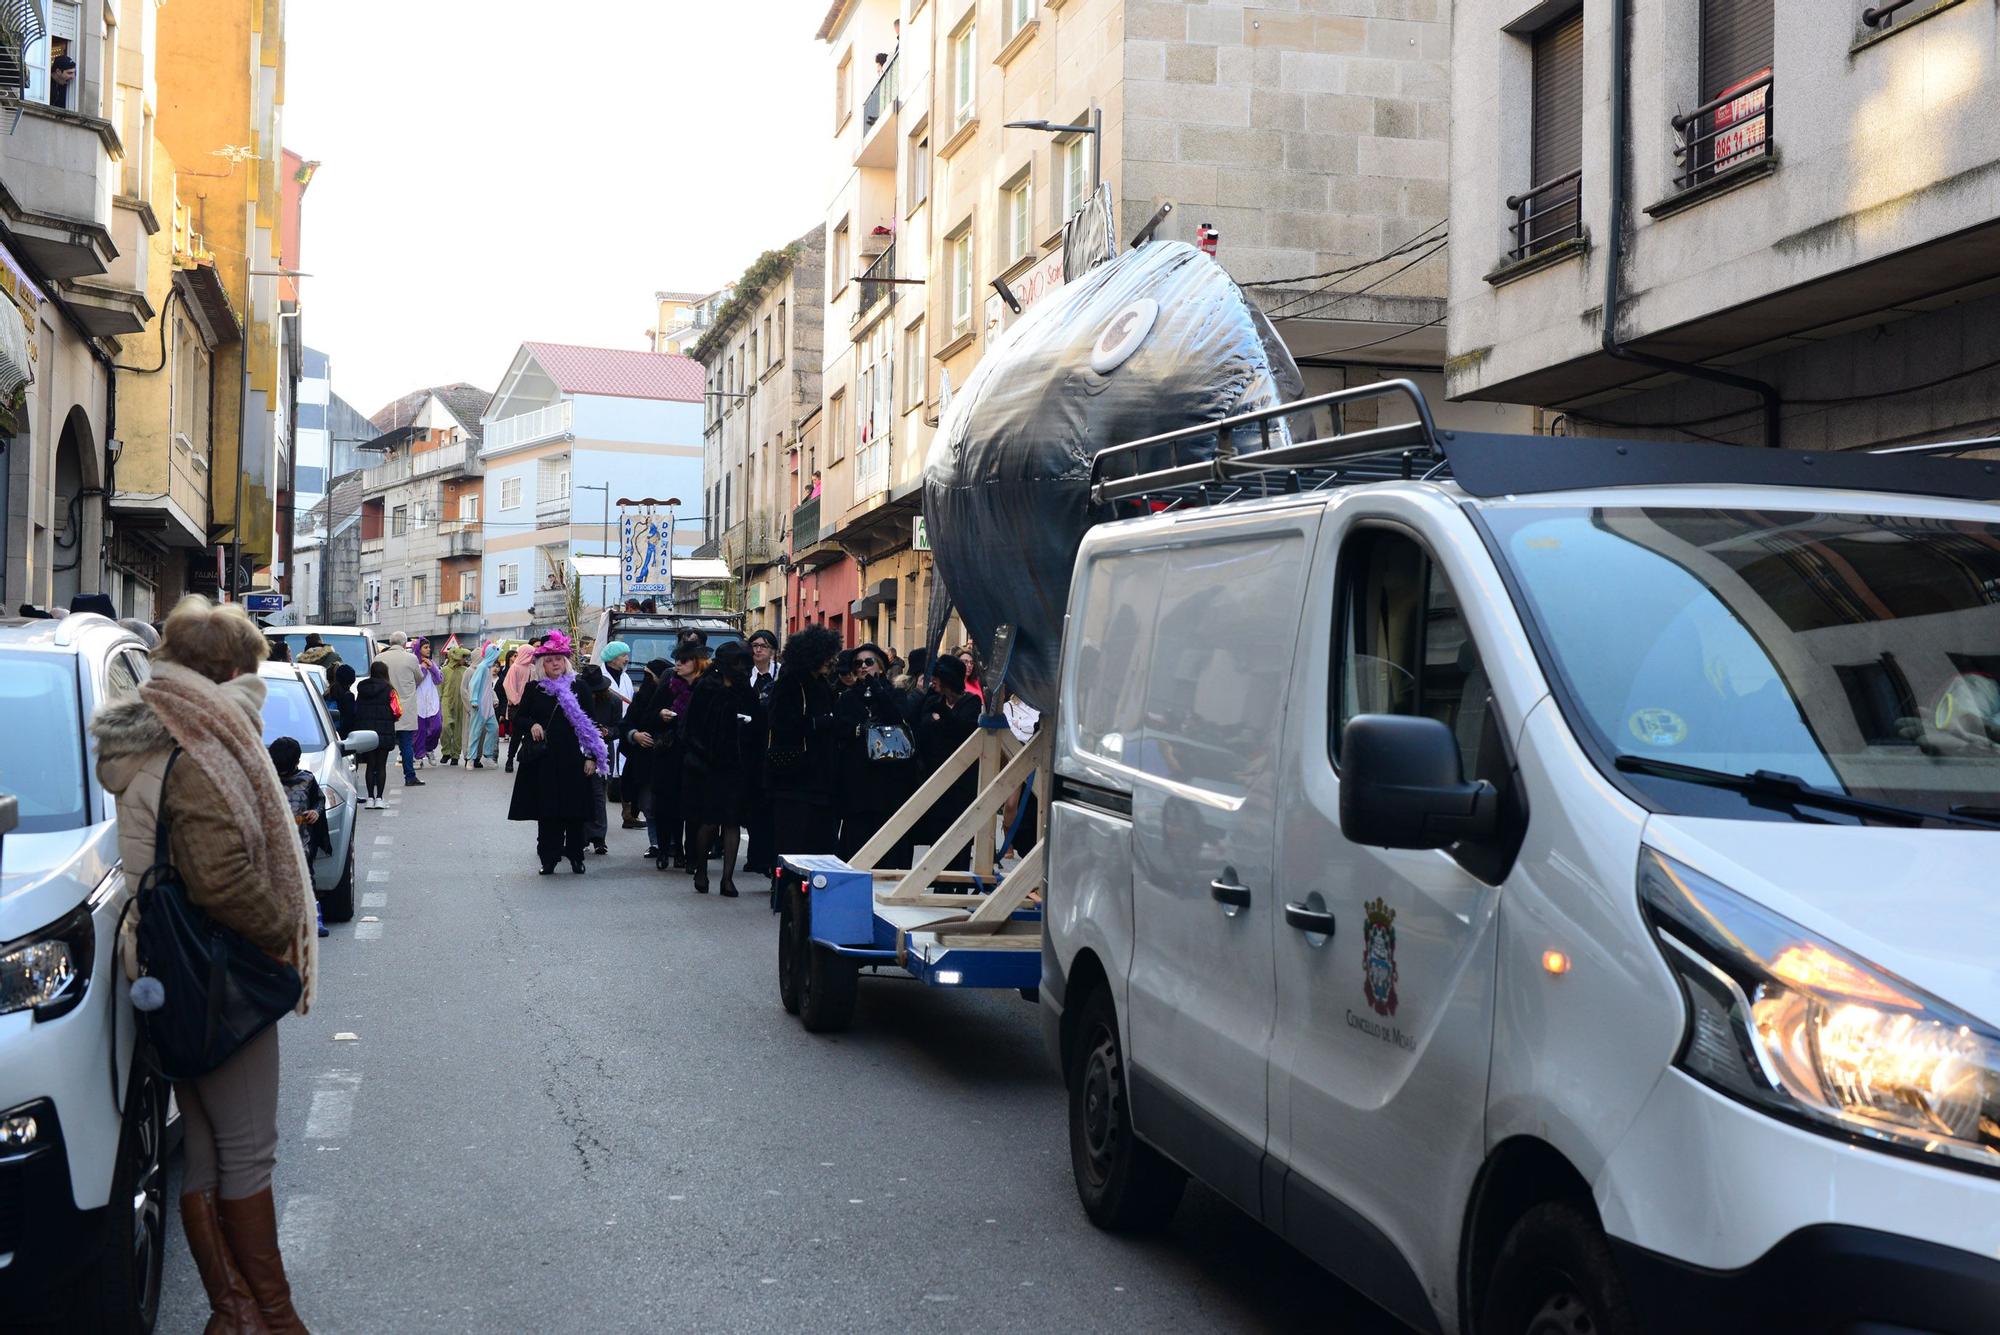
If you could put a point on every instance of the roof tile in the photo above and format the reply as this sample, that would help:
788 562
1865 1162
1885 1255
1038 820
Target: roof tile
619 372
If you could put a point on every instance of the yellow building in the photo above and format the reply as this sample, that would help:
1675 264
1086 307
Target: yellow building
681 318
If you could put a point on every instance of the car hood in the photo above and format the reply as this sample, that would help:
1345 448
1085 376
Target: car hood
44 876
1923 904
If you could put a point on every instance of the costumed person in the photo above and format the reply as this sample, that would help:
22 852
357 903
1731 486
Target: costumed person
482 715
593 688
669 716
803 757
451 738
430 703
563 750
187 749
877 757
625 683
948 716
515 684
722 717
763 828
642 739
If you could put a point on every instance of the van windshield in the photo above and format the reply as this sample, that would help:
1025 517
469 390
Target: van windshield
1859 653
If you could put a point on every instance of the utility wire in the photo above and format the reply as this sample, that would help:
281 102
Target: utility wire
1343 271
1375 343
1338 297
1836 401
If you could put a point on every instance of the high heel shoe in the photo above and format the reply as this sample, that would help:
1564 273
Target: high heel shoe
701 881
728 890
576 865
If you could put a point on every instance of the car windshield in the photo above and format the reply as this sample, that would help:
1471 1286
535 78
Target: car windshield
353 649
1859 653
647 645
44 764
289 712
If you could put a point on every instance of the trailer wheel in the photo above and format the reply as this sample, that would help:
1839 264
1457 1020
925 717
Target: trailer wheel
831 983
1124 1184
792 946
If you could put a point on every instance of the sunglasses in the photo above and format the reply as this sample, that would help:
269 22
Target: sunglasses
868 662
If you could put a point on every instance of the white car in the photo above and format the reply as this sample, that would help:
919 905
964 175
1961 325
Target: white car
295 708
83 1135
1557 892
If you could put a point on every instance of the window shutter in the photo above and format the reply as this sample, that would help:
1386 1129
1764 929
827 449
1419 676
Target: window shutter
1735 43
1558 109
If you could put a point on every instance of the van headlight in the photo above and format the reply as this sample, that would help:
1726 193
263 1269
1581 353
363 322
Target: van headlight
1790 1022
48 972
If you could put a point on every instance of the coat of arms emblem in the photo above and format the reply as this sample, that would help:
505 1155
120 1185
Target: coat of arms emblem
1378 957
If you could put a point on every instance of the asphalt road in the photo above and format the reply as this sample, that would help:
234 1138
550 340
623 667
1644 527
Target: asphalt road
574 1103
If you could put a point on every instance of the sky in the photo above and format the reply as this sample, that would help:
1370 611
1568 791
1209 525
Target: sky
494 171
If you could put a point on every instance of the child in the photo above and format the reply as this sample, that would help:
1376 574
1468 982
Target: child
308 803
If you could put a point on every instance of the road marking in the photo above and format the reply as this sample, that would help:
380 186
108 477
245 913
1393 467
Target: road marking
374 899
377 875
392 812
368 931
385 839
304 1229
332 1111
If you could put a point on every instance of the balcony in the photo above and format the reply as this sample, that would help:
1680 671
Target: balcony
805 524
878 120
179 516
1726 135
876 286
552 511
404 467
461 537
459 618
56 183
525 429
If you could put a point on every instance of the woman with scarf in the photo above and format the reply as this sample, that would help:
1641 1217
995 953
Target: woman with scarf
563 751
451 738
188 749
515 683
482 718
723 718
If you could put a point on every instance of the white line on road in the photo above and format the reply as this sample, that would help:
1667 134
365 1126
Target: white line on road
368 931
374 899
377 876
392 812
332 1111
385 838
304 1229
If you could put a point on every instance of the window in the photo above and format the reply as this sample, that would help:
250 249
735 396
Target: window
1017 214
1018 14
920 170
562 482
781 331
1073 175
842 264
395 593
836 428
371 600
843 90
770 348
399 521
510 493
960 244
1548 212
468 587
1735 59
915 381
1404 646
728 500
468 507
510 578
418 586
964 74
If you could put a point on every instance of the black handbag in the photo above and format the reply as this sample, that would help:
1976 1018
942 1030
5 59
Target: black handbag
221 991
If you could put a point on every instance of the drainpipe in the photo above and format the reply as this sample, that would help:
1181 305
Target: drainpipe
242 441
1614 256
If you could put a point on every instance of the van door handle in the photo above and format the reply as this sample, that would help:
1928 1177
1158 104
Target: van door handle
1308 919
1230 894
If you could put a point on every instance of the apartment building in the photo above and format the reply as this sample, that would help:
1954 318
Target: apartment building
761 358
572 434
1791 240
969 133
422 508
679 318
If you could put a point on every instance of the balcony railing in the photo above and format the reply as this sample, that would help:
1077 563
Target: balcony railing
875 283
882 98
461 537
444 459
805 523
1547 215
1726 131
511 433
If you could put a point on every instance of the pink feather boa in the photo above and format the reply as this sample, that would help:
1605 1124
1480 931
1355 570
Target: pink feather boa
563 688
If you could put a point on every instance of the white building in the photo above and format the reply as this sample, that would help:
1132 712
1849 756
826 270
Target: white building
421 515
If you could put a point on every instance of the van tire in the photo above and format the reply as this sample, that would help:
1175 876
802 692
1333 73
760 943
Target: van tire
1555 1275
792 947
122 1290
832 983
1125 1185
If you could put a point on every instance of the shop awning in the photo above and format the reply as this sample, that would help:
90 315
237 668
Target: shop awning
20 28
15 368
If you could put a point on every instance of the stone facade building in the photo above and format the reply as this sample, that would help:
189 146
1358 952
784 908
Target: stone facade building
422 530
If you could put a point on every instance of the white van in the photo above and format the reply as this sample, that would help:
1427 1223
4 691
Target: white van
1557 892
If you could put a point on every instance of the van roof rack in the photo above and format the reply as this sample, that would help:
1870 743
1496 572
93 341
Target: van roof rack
1156 473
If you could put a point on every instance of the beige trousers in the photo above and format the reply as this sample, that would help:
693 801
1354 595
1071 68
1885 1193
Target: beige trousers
230 1117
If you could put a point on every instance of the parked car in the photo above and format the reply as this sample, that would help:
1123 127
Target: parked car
1559 899
293 707
354 644
83 1133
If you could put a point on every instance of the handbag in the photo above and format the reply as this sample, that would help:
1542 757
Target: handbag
889 742
221 991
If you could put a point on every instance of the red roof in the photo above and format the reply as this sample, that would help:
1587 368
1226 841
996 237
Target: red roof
619 372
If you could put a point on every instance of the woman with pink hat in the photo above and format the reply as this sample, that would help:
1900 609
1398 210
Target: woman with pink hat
561 750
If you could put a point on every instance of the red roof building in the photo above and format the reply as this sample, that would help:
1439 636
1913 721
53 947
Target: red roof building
619 372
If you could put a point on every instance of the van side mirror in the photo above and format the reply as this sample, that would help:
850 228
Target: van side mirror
10 815
1403 785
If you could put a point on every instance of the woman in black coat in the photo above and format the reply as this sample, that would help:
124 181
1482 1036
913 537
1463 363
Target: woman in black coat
564 750
947 716
641 738
373 712
803 760
873 782
716 762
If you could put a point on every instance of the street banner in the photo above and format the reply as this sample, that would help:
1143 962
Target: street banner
646 553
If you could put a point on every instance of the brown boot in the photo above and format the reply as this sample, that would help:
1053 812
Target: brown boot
231 1309
251 1227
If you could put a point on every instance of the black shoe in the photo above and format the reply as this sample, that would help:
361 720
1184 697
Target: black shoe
576 865
652 850
549 870
413 783
662 864
510 767
477 764
701 881
728 888
599 849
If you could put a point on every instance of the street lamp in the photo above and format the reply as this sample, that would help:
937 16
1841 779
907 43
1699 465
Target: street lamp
1094 128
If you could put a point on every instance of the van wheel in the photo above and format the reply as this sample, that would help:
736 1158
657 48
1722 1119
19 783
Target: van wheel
1555 1275
791 948
831 984
1123 1183
124 1284
338 903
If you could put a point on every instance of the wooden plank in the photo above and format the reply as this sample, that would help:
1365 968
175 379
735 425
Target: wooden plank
942 878
984 807
912 811
1014 887
972 934
990 760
